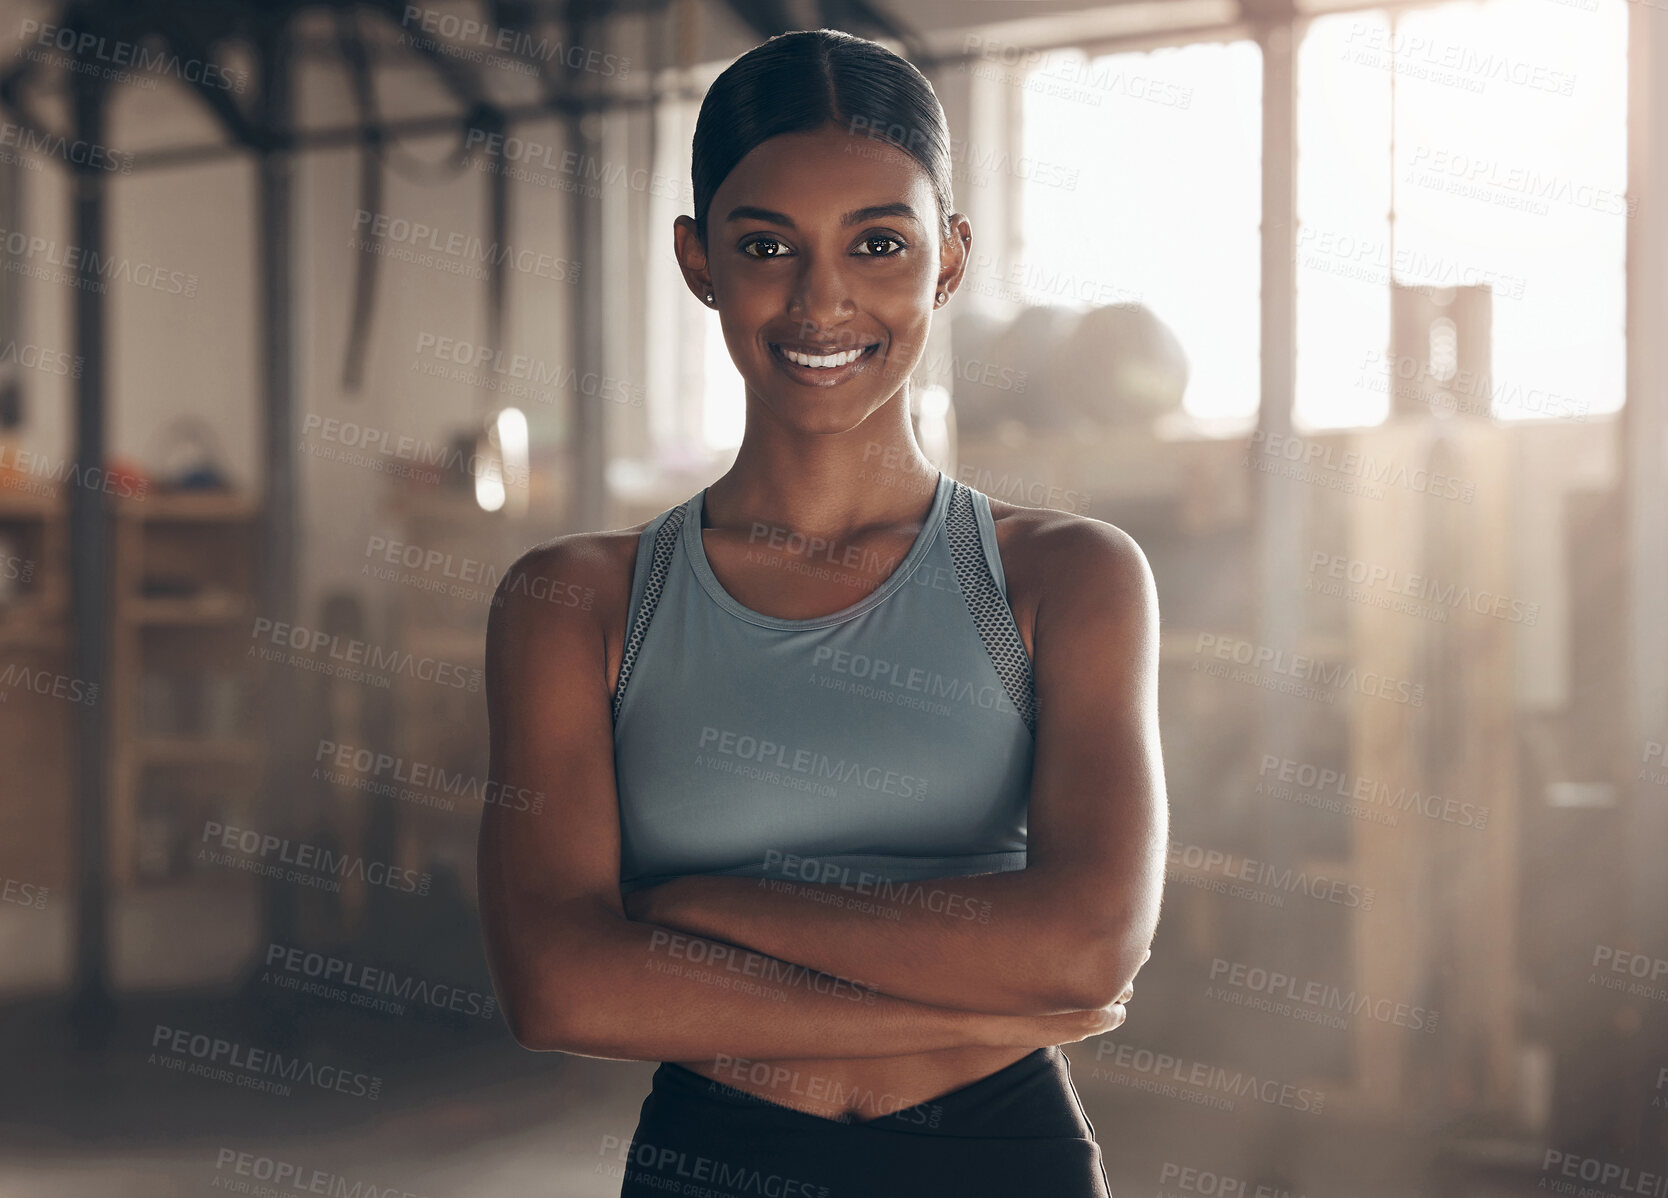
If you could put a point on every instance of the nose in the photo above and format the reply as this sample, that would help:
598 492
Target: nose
820 300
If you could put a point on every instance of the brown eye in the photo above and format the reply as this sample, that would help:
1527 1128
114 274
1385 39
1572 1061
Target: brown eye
881 240
761 241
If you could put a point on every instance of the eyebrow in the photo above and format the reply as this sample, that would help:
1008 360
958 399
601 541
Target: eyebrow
856 216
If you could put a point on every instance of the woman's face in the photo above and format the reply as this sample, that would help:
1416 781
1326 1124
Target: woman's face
824 246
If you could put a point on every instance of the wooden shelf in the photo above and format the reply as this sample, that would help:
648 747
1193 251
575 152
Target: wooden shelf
33 624
19 504
190 507
203 544
189 750
193 610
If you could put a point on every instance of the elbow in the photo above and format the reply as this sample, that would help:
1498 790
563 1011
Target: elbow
543 1004
546 980
536 1023
1105 964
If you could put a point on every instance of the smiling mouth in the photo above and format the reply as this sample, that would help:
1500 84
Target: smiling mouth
831 360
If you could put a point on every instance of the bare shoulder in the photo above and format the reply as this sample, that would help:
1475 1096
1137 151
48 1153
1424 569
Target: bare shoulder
600 561
1065 558
582 573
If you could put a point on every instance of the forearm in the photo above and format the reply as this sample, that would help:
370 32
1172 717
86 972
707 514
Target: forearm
627 990
1014 943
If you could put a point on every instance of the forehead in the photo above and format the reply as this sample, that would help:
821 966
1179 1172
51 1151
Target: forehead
826 169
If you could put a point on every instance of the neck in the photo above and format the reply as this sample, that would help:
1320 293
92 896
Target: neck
832 485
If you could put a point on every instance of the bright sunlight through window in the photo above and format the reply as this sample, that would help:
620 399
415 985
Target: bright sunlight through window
1508 170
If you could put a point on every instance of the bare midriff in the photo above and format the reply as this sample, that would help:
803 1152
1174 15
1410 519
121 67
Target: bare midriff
858 1089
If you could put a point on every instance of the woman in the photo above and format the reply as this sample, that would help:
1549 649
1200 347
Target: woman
856 809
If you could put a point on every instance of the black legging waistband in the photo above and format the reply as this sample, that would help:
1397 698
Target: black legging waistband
1018 1131
1032 1097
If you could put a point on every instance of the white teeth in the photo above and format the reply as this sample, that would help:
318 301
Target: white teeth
823 360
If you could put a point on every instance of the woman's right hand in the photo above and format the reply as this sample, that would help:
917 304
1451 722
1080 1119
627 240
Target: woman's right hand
1065 1027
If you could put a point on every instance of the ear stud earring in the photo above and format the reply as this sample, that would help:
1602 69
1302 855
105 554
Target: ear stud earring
709 297
942 296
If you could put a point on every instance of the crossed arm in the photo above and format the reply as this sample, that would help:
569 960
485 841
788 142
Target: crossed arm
1071 930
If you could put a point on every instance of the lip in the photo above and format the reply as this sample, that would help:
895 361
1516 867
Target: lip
821 376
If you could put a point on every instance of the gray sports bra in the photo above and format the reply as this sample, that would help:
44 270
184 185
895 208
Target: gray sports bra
891 739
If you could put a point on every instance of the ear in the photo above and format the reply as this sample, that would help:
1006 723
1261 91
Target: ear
953 253
692 257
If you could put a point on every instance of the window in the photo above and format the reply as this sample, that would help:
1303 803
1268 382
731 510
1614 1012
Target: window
1164 205
695 397
1508 168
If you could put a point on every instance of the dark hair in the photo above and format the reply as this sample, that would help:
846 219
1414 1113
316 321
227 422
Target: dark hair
800 81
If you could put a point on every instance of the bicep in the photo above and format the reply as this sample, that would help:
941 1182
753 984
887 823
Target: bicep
1098 809
551 743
